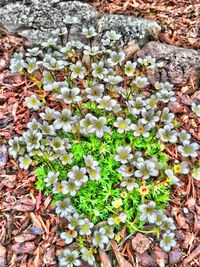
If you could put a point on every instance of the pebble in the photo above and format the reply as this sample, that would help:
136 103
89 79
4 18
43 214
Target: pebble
175 256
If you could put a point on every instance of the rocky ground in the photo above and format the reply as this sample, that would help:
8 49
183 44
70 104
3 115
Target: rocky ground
28 223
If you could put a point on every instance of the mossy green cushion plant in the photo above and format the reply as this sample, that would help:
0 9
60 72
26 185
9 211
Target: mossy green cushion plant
96 141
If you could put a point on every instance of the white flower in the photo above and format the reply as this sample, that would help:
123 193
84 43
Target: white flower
196 109
136 106
188 149
116 58
70 19
48 114
166 134
33 125
141 82
78 175
69 187
123 154
100 238
129 183
63 120
165 95
25 162
32 102
69 258
85 123
64 207
112 35
85 227
90 161
106 103
95 91
148 212
78 71
129 68
184 135
52 177
113 80
57 144
66 158
89 32
126 170
196 174
68 236
88 256
167 242
98 126
141 129
98 70
94 174
91 51
166 116
146 169
123 125
181 168
69 95
171 176
73 220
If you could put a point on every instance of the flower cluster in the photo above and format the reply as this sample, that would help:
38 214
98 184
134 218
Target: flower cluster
150 214
96 137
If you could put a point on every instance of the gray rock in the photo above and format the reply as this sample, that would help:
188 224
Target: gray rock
41 17
180 64
35 20
132 29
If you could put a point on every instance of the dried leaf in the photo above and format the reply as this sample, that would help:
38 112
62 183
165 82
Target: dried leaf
2 251
27 247
8 180
24 237
104 258
49 256
37 261
190 203
21 207
181 221
38 222
120 259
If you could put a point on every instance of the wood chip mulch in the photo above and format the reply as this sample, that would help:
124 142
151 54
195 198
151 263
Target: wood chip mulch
28 224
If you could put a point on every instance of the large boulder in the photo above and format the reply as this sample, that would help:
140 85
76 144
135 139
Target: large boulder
180 64
35 20
137 30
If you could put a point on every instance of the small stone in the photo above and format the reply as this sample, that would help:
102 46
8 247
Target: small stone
175 256
3 262
3 156
146 259
140 243
161 256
